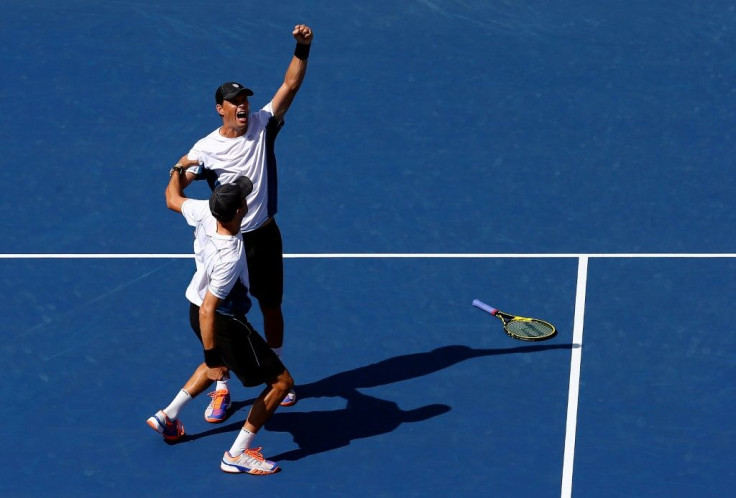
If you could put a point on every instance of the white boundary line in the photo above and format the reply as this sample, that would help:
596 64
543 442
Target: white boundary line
574 389
512 255
383 256
95 256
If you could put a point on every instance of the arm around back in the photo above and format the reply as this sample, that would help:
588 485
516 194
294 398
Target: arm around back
174 191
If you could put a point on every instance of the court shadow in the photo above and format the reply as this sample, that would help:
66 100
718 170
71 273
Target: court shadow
325 430
364 416
404 367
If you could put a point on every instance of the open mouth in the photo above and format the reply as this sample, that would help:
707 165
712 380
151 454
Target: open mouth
241 115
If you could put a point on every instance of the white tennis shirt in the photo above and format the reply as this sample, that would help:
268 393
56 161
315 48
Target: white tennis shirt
220 259
250 155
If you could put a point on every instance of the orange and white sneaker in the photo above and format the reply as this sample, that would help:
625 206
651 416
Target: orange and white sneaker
248 462
216 411
171 430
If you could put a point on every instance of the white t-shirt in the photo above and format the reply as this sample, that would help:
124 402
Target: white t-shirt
250 155
220 261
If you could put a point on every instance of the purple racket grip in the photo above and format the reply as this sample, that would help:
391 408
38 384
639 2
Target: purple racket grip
480 304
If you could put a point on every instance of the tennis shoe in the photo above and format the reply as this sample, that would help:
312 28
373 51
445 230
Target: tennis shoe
216 411
248 462
290 399
171 430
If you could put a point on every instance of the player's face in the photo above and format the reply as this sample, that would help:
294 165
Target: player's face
235 112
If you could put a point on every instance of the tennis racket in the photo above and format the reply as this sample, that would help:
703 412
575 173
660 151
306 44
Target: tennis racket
519 327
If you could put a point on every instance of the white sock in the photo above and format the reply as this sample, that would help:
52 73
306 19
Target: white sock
221 384
242 442
181 399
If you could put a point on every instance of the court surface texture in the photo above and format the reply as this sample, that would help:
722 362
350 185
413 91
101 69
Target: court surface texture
571 161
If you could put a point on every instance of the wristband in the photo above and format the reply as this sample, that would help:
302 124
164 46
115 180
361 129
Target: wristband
178 168
212 358
302 51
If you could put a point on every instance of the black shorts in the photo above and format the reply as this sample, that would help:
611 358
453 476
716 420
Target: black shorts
264 253
242 349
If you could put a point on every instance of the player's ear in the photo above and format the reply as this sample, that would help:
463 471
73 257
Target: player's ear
219 109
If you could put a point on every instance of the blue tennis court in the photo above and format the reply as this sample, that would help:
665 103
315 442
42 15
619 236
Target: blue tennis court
437 152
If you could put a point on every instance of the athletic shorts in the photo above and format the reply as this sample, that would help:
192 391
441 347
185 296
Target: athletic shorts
241 348
264 253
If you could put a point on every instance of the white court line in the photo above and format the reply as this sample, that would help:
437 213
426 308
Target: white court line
95 256
385 256
572 396
512 255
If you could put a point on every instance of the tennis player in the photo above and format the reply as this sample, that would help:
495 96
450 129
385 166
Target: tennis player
218 296
244 145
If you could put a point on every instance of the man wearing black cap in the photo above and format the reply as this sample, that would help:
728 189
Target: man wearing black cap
244 145
218 296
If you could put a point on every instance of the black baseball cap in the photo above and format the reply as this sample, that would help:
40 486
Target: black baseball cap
230 90
227 198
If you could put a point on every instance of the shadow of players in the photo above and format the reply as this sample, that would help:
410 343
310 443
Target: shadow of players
363 415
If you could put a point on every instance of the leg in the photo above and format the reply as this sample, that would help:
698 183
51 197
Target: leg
166 421
241 458
268 401
216 411
273 326
198 382
264 255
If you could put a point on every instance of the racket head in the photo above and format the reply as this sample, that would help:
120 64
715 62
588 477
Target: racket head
526 329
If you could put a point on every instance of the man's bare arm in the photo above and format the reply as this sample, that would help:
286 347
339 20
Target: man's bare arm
294 73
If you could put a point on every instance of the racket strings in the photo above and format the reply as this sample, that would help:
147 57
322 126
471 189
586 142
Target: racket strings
529 328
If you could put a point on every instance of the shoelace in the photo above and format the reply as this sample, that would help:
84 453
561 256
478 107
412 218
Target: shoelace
255 453
217 398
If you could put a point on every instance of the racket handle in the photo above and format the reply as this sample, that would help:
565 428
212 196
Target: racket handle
480 304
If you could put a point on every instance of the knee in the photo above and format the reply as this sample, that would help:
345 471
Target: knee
284 382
